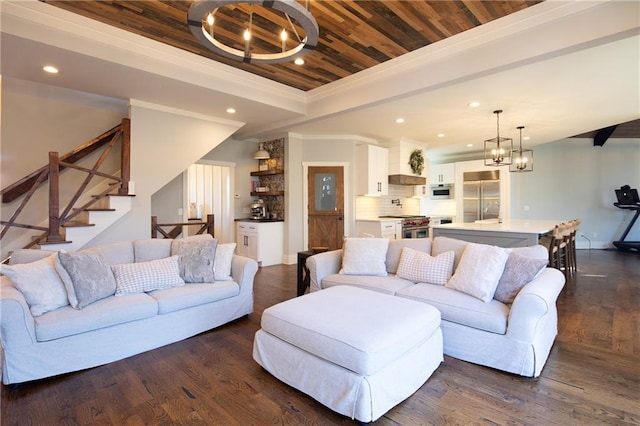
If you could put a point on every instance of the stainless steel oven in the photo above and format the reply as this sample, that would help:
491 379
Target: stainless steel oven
413 226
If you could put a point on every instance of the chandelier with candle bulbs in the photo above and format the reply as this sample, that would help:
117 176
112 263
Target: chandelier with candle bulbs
271 29
497 151
522 158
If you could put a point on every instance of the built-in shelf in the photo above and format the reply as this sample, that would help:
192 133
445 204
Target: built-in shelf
264 194
268 172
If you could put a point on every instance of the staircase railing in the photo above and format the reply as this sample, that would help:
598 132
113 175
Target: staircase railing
178 228
28 185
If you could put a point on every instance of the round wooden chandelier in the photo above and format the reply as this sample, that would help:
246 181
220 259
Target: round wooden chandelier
202 23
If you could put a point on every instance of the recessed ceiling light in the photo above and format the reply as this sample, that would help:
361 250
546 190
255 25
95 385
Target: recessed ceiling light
231 110
474 104
299 61
526 138
441 135
469 145
399 120
50 69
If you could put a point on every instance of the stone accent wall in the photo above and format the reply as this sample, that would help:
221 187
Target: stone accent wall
275 203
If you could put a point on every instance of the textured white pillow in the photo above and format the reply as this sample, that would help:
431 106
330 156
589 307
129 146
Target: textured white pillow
479 271
364 256
147 276
222 265
39 283
28 255
418 266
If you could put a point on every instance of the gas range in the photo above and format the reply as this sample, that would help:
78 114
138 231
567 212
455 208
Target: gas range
410 221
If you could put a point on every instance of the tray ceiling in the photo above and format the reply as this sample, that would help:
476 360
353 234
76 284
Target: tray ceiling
354 35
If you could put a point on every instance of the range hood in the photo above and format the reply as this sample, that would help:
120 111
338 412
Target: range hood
407 180
400 172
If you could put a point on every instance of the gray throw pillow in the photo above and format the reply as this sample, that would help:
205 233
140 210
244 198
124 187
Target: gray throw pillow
90 275
518 272
197 258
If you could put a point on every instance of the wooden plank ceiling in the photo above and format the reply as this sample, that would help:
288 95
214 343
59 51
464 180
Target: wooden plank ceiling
354 35
628 130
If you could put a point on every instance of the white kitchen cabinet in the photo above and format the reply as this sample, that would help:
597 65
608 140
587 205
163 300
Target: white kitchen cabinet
261 241
391 229
421 191
372 170
442 174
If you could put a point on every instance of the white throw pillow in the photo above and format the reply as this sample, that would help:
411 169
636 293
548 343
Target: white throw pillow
39 283
147 276
364 256
479 271
222 265
418 266
28 255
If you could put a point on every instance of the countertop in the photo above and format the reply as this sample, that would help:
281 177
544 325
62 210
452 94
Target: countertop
248 219
378 219
509 225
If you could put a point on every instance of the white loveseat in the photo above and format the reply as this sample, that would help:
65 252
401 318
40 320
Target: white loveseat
68 339
514 337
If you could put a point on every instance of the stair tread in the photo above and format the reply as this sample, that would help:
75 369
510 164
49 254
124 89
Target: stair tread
44 243
77 224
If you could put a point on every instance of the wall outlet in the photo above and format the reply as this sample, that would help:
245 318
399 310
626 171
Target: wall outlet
179 212
595 235
525 208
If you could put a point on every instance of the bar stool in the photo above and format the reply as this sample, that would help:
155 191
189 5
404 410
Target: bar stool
573 263
557 246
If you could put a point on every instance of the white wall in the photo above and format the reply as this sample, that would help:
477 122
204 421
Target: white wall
574 179
164 142
241 154
167 200
37 119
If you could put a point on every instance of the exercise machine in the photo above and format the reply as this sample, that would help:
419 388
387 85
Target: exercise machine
628 200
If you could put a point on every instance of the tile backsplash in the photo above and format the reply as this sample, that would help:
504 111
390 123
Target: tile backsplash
371 207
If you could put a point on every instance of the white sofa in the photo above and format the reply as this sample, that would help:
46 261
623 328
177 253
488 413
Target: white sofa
118 326
514 337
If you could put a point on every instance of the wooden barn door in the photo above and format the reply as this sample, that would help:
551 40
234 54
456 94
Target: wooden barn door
326 207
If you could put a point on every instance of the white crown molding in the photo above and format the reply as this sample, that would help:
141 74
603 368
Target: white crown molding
44 23
335 137
184 113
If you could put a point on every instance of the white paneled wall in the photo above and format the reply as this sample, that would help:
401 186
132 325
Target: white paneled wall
209 192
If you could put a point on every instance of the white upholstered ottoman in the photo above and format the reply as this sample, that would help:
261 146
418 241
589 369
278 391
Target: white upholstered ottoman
356 351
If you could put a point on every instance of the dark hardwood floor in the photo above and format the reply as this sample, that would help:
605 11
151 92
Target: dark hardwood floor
592 375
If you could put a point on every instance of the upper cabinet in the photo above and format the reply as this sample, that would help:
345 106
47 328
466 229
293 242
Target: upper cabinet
440 174
372 170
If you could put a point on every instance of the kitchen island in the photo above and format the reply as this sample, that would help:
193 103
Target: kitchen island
508 233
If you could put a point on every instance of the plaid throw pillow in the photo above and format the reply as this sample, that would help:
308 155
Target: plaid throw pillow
146 276
418 266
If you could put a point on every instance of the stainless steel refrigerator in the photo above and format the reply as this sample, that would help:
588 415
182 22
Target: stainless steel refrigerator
481 194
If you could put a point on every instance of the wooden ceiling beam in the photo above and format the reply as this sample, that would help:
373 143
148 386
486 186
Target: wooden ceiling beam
603 134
